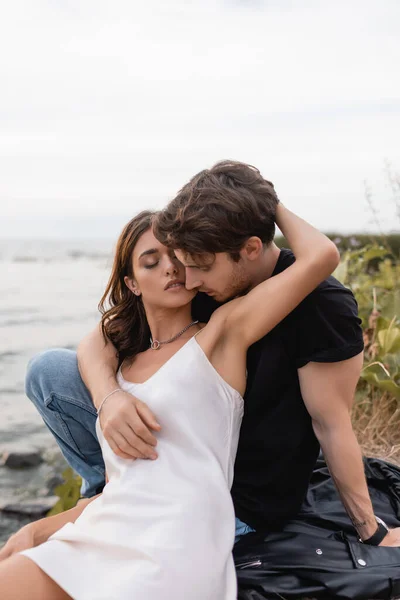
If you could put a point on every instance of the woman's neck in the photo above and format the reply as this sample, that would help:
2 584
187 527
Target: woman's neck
165 323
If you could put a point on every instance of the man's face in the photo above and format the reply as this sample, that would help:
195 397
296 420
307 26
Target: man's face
218 275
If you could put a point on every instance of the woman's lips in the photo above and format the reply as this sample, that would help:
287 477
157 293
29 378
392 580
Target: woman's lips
175 286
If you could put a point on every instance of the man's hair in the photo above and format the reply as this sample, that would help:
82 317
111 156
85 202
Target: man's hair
218 210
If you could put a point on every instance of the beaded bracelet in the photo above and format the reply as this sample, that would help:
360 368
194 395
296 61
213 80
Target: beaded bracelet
106 398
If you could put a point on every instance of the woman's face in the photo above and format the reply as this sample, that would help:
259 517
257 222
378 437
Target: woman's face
158 276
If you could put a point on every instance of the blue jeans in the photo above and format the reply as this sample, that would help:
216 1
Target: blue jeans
54 385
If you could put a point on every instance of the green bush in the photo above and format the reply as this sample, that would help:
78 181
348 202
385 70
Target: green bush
377 290
358 241
69 492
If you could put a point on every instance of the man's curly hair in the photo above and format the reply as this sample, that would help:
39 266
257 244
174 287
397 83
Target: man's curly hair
218 210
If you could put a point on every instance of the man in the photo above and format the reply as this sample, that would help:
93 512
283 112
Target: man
301 376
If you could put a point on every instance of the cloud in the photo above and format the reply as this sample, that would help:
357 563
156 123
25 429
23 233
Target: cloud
109 107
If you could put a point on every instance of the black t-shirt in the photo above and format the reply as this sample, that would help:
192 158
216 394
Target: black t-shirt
277 446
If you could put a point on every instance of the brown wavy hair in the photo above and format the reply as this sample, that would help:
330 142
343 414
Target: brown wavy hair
123 320
218 210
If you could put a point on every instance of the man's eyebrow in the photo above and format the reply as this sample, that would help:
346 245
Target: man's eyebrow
196 266
189 262
147 252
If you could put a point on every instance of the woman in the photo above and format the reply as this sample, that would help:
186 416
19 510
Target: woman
165 529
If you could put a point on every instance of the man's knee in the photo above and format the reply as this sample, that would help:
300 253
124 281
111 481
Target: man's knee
49 370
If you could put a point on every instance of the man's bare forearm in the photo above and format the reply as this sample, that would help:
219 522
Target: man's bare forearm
344 459
44 528
98 363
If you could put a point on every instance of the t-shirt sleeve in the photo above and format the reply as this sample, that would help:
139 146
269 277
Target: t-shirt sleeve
326 326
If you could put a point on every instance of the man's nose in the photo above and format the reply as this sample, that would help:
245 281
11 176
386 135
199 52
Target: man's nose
192 280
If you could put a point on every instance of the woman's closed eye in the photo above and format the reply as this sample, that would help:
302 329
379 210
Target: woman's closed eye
154 264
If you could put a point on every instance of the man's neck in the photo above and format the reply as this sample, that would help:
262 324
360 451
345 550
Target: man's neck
265 266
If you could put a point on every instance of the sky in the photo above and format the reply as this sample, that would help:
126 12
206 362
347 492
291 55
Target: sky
109 107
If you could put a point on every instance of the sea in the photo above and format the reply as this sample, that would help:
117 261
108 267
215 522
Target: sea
49 292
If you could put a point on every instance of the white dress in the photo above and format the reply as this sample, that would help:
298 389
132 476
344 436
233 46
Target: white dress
162 529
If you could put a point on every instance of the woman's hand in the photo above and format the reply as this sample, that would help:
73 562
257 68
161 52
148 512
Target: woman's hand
22 540
127 424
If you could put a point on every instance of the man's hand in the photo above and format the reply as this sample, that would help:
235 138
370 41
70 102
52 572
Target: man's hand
392 539
22 540
126 423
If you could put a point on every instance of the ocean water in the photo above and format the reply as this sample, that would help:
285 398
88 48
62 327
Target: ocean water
49 291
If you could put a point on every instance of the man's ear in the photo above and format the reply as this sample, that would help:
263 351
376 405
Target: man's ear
132 285
252 248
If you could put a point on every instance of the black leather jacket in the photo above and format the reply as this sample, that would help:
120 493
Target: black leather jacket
318 555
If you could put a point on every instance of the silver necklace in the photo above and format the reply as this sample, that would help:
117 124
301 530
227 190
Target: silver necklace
156 344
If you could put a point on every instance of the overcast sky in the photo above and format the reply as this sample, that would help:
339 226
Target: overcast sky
108 107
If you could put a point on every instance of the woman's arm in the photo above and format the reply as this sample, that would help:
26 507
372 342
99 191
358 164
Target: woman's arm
126 422
44 528
316 258
98 363
36 533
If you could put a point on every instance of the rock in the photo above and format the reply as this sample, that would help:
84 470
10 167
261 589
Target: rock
34 508
22 460
54 482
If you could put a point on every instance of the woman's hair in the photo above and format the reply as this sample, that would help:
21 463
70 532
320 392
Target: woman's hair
123 320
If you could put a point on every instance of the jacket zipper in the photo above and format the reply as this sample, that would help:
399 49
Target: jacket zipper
254 563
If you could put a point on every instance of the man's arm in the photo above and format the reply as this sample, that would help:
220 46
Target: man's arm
328 392
126 422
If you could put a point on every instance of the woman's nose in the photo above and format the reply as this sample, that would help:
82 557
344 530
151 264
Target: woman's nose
171 268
